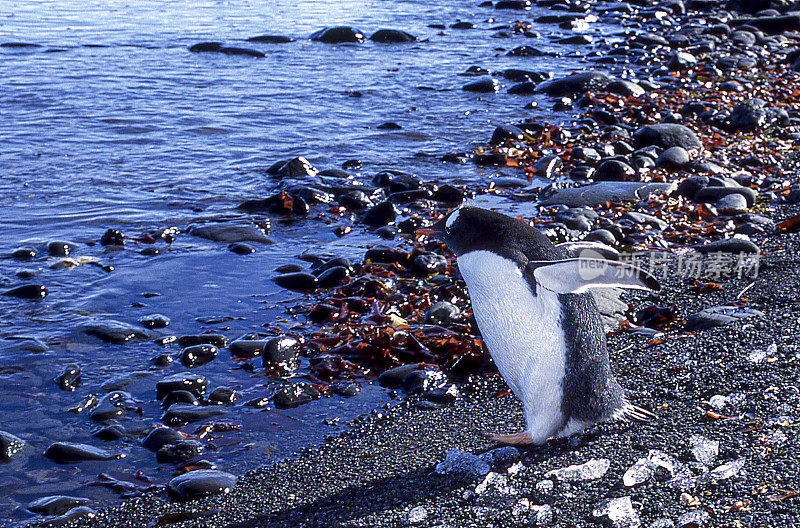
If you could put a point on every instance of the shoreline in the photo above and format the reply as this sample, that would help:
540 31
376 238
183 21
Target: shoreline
377 473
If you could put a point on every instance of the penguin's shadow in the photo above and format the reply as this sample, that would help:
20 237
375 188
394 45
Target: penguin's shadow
406 489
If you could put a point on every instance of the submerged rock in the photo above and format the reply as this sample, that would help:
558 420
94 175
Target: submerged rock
57 504
10 445
70 379
338 35
179 415
392 36
599 193
201 483
295 395
31 292
161 436
71 452
189 382
230 233
117 332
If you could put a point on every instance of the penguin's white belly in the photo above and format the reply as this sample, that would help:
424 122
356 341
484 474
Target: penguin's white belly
524 335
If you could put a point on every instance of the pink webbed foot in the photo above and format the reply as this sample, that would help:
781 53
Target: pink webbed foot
516 439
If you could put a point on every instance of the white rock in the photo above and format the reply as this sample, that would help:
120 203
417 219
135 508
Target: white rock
694 519
619 512
726 471
718 401
417 515
495 483
591 470
544 515
703 449
757 356
641 471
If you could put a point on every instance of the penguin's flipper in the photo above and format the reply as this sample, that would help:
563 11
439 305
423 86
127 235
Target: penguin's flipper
580 274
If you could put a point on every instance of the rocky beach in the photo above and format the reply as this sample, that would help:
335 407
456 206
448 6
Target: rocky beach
356 382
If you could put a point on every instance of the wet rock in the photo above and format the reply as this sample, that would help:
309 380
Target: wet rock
332 277
79 512
729 245
461 465
179 452
57 504
614 170
289 268
223 396
179 415
427 264
463 24
271 39
774 25
70 378
419 381
201 483
513 4
116 332
523 88
154 321
59 248
205 47
218 340
338 35
718 316
295 395
161 436
70 452
282 203
442 313
231 233
666 135
112 237
300 281
602 192
752 114
23 253
179 396
618 513
355 200
185 381
380 215
485 85
525 51
110 433
282 353
10 445
249 345
197 355
575 84
106 410
31 292
681 61
393 378
591 470
392 36
625 88
240 248
504 133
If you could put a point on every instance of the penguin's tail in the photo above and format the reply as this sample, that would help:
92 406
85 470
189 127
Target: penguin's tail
634 413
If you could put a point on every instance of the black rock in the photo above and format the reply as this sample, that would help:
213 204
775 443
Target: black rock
614 170
752 114
223 396
154 321
333 277
247 52
730 245
355 200
396 181
506 132
392 36
240 248
65 452
70 379
299 281
179 415
162 360
666 135
271 39
461 24
197 355
485 85
189 382
380 215
418 381
58 248
23 253
393 378
689 187
112 237
110 433
429 264
577 83
181 397
337 35
601 235
449 194
116 332
181 451
295 395
513 4
523 88
218 340
713 193
282 353
10 445
773 25
681 60
106 410
525 51
201 483
205 47
161 436
673 158
56 504
31 292
289 268
442 313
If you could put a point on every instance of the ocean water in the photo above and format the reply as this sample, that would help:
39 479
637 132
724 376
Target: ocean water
110 122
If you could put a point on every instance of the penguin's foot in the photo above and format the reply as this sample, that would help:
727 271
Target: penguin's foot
516 439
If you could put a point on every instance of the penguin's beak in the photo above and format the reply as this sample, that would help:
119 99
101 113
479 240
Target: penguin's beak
434 230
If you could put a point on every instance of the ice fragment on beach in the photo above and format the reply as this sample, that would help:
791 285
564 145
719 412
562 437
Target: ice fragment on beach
545 486
703 449
726 471
544 514
591 470
693 519
495 483
718 401
619 512
641 471
417 515
461 464
757 356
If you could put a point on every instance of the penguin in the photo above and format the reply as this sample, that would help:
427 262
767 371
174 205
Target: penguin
538 322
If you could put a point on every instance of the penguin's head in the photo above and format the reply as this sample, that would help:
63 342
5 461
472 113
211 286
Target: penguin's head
468 228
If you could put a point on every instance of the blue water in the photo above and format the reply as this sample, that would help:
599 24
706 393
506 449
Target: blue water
112 122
